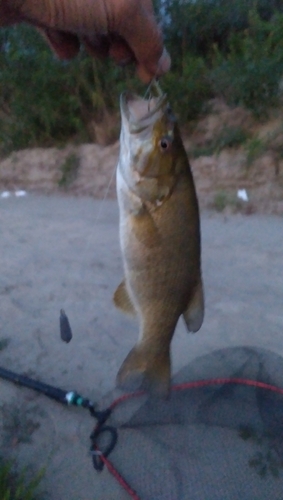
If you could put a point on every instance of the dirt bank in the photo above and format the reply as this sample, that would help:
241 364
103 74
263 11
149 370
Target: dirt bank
228 150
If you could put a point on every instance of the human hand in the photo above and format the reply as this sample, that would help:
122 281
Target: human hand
123 29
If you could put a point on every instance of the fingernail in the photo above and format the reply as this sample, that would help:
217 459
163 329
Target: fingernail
164 63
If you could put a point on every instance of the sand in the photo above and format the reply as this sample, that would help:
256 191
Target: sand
63 252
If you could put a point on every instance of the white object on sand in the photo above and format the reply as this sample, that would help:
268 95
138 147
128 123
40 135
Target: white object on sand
20 193
5 194
242 194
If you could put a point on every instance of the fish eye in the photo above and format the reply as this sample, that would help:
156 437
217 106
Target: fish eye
164 143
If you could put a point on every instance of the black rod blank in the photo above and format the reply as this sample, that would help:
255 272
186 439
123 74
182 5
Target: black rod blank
50 391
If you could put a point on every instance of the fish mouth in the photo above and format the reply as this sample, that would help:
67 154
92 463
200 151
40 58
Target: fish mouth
139 112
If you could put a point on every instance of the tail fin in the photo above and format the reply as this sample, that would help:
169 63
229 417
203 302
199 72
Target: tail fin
144 369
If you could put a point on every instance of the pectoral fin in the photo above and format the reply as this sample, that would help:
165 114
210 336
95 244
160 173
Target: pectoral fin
122 299
194 313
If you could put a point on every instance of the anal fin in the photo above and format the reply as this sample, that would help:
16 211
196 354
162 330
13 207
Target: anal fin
194 313
122 299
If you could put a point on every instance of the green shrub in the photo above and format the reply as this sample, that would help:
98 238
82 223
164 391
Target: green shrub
197 25
228 137
45 101
198 151
250 74
190 90
220 201
14 484
69 170
254 148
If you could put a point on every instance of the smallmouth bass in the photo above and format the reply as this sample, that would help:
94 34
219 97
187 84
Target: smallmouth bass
159 238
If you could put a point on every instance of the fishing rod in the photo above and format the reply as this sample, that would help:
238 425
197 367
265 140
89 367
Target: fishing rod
71 398
59 395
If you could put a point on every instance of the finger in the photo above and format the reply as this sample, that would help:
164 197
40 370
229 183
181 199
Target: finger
65 45
144 37
121 52
80 17
97 46
106 45
162 66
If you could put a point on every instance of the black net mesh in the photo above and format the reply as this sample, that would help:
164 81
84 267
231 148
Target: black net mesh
211 443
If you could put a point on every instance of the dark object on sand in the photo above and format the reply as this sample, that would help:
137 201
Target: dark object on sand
65 329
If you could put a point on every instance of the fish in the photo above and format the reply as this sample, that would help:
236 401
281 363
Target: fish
160 239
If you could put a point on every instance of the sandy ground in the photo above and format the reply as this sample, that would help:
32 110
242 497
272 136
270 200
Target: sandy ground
63 252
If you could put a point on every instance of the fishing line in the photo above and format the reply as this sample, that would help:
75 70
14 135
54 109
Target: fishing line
153 82
104 198
99 211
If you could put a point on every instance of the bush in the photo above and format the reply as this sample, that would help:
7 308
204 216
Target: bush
36 95
221 200
251 72
228 137
69 170
14 484
189 91
197 25
44 100
255 147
